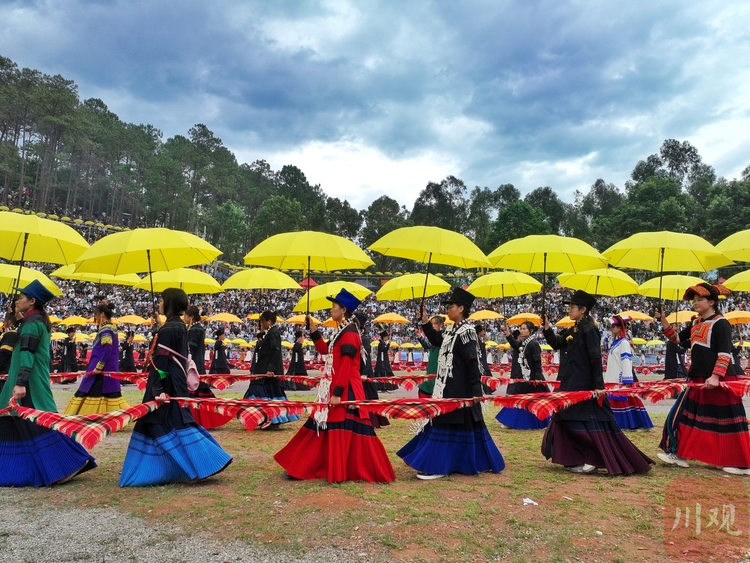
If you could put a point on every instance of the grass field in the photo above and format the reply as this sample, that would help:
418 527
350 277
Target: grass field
460 518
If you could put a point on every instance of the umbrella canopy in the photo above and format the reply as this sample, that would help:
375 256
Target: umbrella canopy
70 321
54 320
635 315
308 250
523 317
260 278
547 253
80 337
330 323
68 273
681 317
602 281
739 282
316 299
133 320
225 318
432 245
672 286
565 322
738 317
665 251
390 318
307 283
503 284
300 320
736 246
55 336
639 341
34 239
654 343
9 278
187 279
485 315
145 250
412 286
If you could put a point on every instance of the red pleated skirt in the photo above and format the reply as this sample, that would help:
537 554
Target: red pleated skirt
712 427
347 450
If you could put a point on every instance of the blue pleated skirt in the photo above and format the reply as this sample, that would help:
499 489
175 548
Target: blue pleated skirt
270 389
520 419
442 450
629 412
34 456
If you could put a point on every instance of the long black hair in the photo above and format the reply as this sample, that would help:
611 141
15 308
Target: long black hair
175 302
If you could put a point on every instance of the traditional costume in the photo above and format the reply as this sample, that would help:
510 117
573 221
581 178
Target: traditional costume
456 442
527 366
99 392
337 443
7 344
708 425
219 364
196 347
425 388
167 446
268 360
296 367
70 359
383 364
585 437
127 360
365 370
630 413
31 455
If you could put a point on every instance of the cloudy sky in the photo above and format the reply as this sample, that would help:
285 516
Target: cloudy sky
372 98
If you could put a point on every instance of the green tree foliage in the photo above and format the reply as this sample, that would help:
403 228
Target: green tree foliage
380 218
277 214
515 220
442 205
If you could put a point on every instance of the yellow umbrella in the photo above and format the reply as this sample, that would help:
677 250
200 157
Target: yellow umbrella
432 245
54 319
739 282
546 347
394 344
671 286
239 341
70 321
187 279
286 344
654 343
546 253
316 298
133 320
523 317
34 239
485 315
411 286
55 336
635 315
225 318
330 323
260 278
503 346
390 318
68 273
407 345
503 284
491 344
300 320
639 341
681 317
738 317
9 278
736 246
308 250
145 250
565 322
209 341
80 337
603 281
665 251
253 317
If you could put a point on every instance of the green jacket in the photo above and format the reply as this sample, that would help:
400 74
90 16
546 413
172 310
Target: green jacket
432 362
30 364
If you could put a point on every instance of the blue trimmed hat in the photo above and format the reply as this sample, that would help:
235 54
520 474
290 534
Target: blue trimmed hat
346 299
36 291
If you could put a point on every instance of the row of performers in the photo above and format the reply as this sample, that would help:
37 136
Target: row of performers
338 444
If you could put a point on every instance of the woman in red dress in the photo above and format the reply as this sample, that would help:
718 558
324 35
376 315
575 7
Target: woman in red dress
336 443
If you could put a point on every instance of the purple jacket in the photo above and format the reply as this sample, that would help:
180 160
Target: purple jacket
104 356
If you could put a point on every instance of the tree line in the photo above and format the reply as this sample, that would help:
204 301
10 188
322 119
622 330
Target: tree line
60 154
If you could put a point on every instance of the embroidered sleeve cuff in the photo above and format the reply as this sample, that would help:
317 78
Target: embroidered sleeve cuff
348 350
671 334
722 363
100 365
338 391
106 340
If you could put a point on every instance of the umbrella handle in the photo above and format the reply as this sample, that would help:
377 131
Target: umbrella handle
426 277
